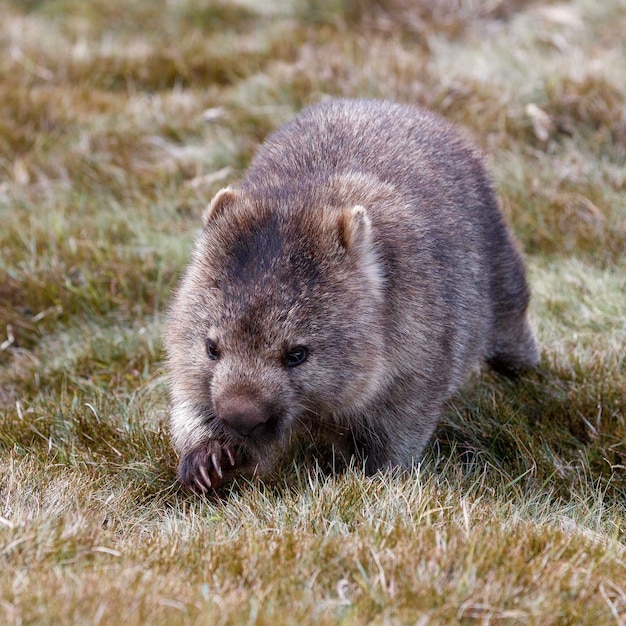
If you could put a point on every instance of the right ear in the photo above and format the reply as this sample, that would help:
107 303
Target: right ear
220 203
355 229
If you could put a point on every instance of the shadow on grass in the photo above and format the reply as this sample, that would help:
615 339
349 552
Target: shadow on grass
556 426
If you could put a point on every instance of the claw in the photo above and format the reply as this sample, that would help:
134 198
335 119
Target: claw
205 476
231 458
202 488
215 457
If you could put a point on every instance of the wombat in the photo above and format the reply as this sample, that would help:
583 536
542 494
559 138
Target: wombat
345 290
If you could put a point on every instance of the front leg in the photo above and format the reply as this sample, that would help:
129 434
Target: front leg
208 465
395 434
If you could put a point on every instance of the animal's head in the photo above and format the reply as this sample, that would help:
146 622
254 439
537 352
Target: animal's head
276 323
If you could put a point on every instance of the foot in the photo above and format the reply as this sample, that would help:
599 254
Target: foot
207 466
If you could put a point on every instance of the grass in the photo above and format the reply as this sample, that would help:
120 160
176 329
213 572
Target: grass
118 120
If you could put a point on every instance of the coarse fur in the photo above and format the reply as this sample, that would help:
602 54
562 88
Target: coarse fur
345 289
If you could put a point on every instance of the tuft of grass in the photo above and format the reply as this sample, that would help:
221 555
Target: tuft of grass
118 121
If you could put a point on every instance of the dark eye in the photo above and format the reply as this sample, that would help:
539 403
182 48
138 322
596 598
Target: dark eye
211 349
296 356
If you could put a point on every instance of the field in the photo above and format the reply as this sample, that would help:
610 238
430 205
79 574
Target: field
118 121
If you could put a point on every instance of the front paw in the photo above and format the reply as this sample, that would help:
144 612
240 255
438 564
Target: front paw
206 466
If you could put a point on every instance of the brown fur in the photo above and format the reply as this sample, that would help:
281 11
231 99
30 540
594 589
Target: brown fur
366 242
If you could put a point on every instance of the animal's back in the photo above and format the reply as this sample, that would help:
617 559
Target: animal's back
434 211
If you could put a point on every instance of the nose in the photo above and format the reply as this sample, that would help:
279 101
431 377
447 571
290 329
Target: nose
243 414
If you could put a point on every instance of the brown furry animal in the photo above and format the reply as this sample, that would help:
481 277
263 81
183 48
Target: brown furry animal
346 289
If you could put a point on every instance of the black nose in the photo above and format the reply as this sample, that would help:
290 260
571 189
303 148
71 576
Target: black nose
242 414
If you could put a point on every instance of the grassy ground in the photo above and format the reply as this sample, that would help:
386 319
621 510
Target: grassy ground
118 120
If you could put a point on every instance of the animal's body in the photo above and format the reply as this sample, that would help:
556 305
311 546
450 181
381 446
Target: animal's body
348 286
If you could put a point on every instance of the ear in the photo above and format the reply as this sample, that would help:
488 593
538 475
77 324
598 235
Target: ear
220 203
355 229
355 232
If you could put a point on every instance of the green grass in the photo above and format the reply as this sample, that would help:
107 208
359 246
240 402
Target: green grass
118 121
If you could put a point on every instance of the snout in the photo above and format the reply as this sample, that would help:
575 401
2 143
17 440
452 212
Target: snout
244 415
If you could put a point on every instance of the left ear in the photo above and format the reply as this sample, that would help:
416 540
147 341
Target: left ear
355 228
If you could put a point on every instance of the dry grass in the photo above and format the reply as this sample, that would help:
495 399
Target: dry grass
117 121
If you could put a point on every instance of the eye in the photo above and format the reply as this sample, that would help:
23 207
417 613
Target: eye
211 349
296 356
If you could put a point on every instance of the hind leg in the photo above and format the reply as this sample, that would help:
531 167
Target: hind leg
514 349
